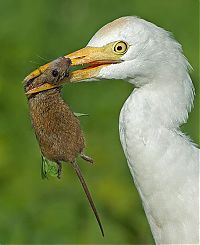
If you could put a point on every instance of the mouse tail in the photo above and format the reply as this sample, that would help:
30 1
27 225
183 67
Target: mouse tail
87 192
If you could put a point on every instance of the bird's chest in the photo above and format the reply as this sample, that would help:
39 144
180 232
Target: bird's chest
146 147
139 137
144 134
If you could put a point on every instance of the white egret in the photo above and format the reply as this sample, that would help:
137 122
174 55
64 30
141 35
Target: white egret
162 160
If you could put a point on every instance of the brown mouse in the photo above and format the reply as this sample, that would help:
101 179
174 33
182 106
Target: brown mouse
56 127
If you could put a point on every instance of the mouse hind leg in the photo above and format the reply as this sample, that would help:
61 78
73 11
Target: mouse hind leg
86 158
59 169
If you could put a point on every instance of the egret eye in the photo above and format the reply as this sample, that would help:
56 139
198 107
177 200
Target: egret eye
120 47
55 73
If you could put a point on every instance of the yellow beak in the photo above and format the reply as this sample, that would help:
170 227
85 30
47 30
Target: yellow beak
95 58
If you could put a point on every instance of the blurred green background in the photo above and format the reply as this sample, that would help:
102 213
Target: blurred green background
52 211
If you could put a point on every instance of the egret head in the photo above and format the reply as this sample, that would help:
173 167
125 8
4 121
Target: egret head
128 48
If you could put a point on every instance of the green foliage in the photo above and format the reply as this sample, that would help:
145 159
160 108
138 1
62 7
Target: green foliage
55 211
77 114
48 168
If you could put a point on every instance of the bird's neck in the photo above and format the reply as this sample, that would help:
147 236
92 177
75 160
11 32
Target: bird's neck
150 118
166 100
157 105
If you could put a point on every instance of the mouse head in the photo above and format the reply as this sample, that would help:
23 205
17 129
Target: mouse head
56 71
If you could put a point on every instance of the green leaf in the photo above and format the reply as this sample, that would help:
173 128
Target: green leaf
52 169
48 168
43 168
77 114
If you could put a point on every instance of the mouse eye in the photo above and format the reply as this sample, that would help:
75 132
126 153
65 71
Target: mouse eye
55 73
66 74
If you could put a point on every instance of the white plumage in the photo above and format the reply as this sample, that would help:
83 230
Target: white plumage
163 161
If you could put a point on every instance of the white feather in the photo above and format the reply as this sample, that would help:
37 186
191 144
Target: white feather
163 162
